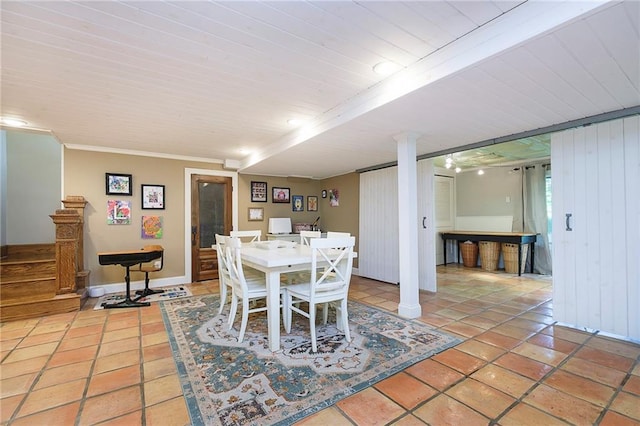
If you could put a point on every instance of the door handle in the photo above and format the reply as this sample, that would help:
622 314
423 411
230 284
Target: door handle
423 225
194 231
567 221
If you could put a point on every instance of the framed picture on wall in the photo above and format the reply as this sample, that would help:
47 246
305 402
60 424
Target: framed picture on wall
256 214
118 184
312 203
153 197
258 192
281 195
297 204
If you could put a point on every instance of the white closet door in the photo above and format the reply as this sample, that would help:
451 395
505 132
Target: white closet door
428 236
596 226
444 192
378 245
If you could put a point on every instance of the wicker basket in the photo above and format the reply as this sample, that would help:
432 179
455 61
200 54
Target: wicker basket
510 254
469 253
489 255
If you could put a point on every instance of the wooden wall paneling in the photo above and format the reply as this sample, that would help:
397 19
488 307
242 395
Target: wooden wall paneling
632 213
614 309
562 200
596 274
588 272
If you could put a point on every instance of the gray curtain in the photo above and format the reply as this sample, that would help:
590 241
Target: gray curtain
535 215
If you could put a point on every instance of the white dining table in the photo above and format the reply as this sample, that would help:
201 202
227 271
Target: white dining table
280 258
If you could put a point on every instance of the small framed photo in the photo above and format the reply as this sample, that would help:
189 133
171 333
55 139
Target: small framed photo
118 184
281 195
153 197
297 204
324 193
256 214
312 203
258 192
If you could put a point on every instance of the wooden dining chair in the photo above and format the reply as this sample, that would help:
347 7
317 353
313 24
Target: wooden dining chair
328 285
148 267
243 291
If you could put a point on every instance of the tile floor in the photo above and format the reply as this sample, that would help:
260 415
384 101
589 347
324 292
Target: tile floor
515 366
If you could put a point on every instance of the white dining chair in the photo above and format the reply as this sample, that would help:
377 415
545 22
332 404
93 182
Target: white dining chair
334 234
223 271
243 291
329 285
305 236
300 276
248 236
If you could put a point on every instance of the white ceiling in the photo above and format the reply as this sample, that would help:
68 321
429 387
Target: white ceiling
218 81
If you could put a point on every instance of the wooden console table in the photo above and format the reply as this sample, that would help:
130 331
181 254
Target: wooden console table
501 237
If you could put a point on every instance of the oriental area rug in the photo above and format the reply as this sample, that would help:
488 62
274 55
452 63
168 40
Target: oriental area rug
229 383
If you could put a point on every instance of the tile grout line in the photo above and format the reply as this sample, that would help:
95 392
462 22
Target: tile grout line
617 391
41 372
91 370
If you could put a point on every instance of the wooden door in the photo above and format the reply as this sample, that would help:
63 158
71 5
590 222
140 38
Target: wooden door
211 214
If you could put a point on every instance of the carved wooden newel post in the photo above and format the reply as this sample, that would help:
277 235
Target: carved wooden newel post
68 225
78 203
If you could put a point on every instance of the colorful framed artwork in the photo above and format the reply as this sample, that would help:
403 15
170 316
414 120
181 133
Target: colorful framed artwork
151 227
297 203
258 192
256 214
153 197
334 198
118 212
118 184
281 195
312 203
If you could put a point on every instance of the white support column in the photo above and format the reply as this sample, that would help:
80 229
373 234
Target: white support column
409 306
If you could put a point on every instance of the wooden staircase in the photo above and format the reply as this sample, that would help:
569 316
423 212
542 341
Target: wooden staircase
46 279
28 286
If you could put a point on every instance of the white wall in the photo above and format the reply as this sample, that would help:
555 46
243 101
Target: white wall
33 182
486 195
